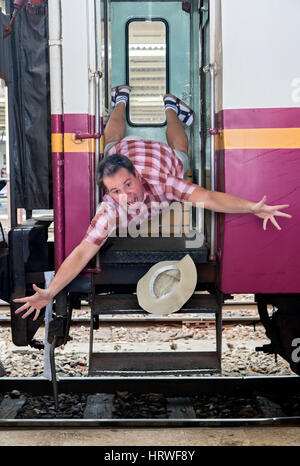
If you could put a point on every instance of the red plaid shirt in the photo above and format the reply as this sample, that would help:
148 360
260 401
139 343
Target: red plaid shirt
161 173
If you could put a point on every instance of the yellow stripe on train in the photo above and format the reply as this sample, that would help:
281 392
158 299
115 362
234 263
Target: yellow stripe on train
68 143
259 138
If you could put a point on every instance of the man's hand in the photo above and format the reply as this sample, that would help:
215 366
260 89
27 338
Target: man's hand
268 212
34 303
68 270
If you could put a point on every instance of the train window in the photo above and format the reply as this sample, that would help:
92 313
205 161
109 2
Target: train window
147 70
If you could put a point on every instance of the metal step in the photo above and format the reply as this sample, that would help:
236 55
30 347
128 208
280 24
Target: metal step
128 303
149 250
154 363
114 276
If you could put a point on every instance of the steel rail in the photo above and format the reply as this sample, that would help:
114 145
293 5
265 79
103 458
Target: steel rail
150 320
138 322
167 385
227 303
160 384
124 423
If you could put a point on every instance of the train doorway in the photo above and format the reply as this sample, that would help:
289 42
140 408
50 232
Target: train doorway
155 47
150 50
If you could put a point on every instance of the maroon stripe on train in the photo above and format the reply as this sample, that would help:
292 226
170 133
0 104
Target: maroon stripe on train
58 194
260 118
79 123
57 124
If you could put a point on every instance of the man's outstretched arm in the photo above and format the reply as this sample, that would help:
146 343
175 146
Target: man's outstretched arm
227 203
68 270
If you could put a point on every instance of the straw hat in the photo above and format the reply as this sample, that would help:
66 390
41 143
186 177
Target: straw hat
167 286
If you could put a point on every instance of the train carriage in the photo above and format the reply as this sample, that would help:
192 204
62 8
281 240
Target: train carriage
235 64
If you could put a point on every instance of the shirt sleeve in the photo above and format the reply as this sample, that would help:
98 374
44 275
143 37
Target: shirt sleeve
178 189
103 224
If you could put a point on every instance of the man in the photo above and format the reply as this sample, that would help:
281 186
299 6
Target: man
138 174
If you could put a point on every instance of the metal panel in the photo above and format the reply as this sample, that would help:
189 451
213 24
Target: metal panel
254 260
178 20
149 250
169 385
79 107
75 56
107 304
159 362
129 274
254 52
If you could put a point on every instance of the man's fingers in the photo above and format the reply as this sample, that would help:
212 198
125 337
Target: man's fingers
282 214
259 204
32 304
262 201
280 207
36 288
30 310
25 298
275 223
20 300
22 308
37 313
272 220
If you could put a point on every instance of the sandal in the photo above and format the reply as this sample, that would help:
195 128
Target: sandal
120 91
184 112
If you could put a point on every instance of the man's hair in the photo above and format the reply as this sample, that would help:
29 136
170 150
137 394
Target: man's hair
111 164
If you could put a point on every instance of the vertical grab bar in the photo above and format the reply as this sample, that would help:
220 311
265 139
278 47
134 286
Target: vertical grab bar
98 110
212 156
98 130
98 76
213 131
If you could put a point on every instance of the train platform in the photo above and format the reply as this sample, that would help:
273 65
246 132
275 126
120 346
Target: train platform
238 436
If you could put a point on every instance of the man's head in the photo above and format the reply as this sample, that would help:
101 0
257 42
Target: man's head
117 175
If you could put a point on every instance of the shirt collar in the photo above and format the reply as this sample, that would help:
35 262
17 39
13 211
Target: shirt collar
146 188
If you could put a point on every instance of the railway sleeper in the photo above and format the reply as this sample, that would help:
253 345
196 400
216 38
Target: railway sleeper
254 405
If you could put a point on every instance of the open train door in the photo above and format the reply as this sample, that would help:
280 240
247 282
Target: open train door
4 274
25 44
4 278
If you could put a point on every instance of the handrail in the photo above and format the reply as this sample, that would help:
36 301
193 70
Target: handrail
213 131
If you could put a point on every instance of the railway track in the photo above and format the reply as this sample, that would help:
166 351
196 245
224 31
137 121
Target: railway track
179 395
151 319
103 395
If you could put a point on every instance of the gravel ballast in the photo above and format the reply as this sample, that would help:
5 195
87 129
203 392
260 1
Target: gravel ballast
239 358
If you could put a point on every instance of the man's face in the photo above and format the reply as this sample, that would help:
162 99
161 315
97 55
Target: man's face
124 187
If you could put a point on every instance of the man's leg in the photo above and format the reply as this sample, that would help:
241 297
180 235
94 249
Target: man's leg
116 126
175 134
178 113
